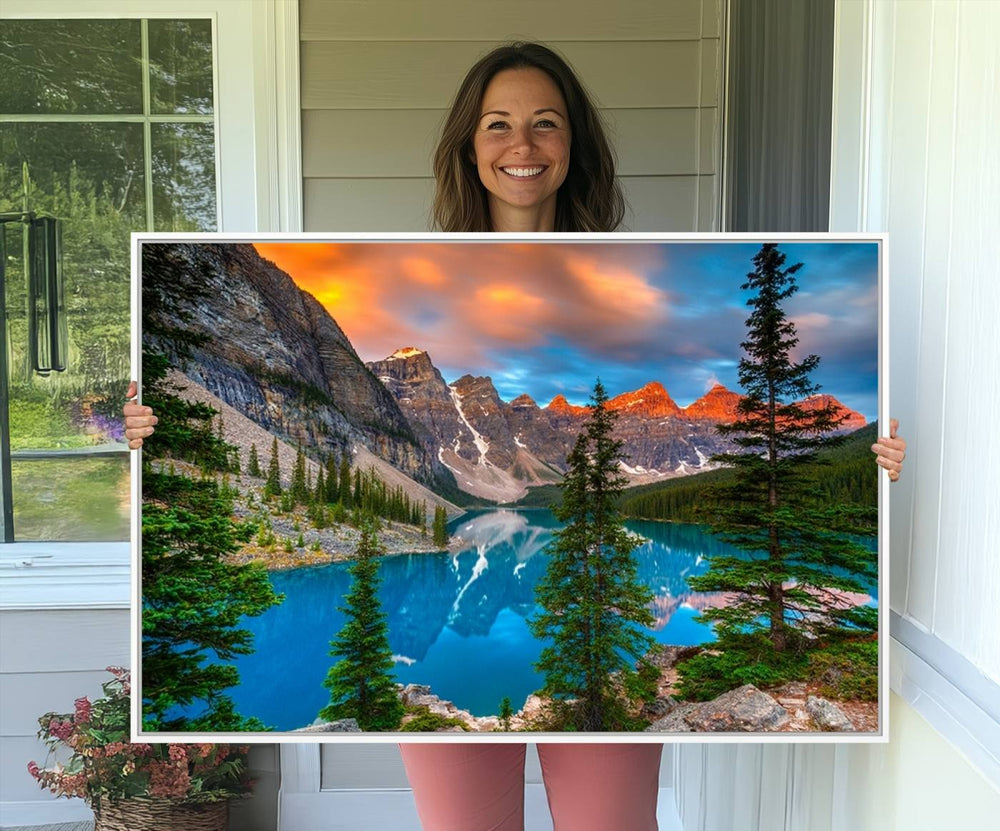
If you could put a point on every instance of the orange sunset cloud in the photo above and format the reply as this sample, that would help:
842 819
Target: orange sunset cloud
462 300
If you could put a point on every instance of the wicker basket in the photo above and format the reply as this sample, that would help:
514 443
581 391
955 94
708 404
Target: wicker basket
161 815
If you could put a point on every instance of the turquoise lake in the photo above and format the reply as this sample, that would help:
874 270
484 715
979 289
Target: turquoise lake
456 621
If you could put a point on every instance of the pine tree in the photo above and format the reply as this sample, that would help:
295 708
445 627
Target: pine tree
193 599
319 493
345 482
299 488
361 683
592 603
440 533
272 486
253 465
797 566
505 714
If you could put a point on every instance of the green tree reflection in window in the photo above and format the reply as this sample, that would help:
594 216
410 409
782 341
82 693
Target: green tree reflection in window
108 125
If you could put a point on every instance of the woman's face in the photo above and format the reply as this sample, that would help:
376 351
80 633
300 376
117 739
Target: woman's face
521 146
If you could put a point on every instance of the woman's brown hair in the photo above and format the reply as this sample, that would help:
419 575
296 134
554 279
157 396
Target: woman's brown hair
590 198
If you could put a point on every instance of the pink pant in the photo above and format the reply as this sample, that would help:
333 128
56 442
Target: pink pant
480 787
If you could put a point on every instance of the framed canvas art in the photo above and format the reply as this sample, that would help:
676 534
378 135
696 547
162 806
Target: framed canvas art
459 487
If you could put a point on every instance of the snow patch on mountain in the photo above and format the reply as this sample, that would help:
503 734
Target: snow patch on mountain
482 445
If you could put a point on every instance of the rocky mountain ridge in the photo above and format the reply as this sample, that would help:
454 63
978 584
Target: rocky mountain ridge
271 351
497 449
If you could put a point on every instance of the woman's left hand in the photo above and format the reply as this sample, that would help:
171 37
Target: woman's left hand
890 451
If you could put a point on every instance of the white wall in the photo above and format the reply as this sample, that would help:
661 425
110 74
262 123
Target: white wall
918 781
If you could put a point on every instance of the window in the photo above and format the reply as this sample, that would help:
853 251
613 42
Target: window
109 126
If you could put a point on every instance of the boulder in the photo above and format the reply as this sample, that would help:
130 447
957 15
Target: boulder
659 708
743 710
343 725
675 721
666 657
828 717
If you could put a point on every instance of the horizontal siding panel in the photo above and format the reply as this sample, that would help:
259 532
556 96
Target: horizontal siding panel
63 641
400 143
26 696
711 18
660 203
367 204
369 143
656 203
16 784
655 142
372 75
362 766
486 20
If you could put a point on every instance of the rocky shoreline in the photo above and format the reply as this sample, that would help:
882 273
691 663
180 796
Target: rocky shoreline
793 707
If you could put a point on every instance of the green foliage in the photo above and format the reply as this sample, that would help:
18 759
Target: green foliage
97 762
799 562
842 476
505 714
346 497
299 490
193 603
272 486
253 465
847 670
427 722
362 685
440 533
736 660
592 603
193 600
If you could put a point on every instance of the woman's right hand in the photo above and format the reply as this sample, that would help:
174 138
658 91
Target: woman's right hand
139 420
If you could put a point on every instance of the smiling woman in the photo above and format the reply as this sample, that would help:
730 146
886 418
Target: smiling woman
524 149
521 149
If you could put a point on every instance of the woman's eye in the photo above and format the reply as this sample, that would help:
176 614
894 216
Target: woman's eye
545 122
496 125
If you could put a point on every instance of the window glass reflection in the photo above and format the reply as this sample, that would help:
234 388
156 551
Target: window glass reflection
70 66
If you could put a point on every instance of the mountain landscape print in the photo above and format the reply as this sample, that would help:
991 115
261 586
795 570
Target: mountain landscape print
621 486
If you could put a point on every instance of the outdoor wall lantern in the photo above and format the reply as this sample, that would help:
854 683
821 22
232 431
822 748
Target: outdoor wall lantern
47 330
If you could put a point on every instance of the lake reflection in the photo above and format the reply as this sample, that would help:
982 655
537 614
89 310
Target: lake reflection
456 621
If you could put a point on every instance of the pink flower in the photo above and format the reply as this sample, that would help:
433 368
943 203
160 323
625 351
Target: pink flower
34 770
167 779
177 753
83 710
61 729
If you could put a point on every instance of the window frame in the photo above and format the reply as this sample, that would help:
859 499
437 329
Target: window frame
259 188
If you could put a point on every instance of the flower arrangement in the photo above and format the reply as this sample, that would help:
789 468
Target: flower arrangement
104 766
